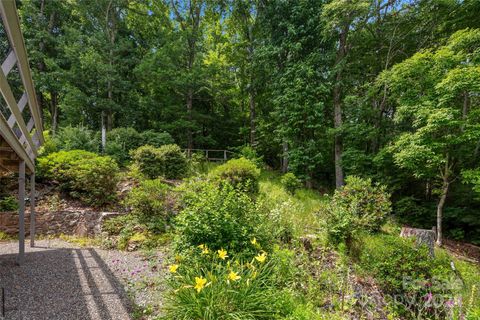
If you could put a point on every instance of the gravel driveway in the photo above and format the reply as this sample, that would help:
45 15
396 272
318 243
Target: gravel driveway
61 281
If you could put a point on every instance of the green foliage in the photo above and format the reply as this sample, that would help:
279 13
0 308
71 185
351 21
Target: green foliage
241 173
132 232
472 177
156 139
174 161
85 175
8 203
74 138
120 142
148 203
286 211
4 236
146 158
116 225
168 161
359 205
400 267
204 286
392 258
219 217
248 152
408 211
49 146
290 182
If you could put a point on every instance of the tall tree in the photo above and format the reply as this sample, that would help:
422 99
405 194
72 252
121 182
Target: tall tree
435 92
189 17
44 25
294 68
244 29
342 16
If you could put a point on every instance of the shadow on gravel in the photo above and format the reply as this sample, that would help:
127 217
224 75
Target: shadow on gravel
60 283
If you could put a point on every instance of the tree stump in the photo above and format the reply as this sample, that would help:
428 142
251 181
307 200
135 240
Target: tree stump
422 237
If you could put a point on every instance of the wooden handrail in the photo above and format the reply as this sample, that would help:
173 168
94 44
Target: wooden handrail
12 27
24 139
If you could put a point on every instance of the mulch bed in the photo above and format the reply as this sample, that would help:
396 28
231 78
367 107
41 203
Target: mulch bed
464 250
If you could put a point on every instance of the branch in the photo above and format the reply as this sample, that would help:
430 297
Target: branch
178 16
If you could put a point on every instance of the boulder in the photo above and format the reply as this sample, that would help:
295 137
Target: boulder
422 237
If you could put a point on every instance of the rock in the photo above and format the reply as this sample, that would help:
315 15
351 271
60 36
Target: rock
307 242
422 237
79 222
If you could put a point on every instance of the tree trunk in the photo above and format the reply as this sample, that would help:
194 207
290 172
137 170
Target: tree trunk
251 90
441 204
443 198
104 132
337 107
54 112
190 118
252 118
285 157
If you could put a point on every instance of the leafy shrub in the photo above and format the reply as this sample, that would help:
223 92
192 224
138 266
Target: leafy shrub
168 161
148 202
280 221
49 146
248 152
115 225
156 139
75 138
198 164
8 203
359 205
401 267
174 161
241 173
219 217
120 141
290 182
146 158
85 175
134 232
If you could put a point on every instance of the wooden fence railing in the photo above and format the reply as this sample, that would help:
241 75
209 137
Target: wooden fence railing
213 155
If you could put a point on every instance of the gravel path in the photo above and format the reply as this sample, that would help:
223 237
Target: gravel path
61 281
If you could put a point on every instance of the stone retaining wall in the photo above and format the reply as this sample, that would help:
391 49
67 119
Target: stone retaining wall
72 222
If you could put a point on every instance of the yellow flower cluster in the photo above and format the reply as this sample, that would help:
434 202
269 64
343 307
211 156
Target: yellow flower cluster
232 276
204 249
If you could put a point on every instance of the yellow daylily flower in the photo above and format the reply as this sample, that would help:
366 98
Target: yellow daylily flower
204 248
261 257
233 276
222 254
173 268
200 283
254 241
